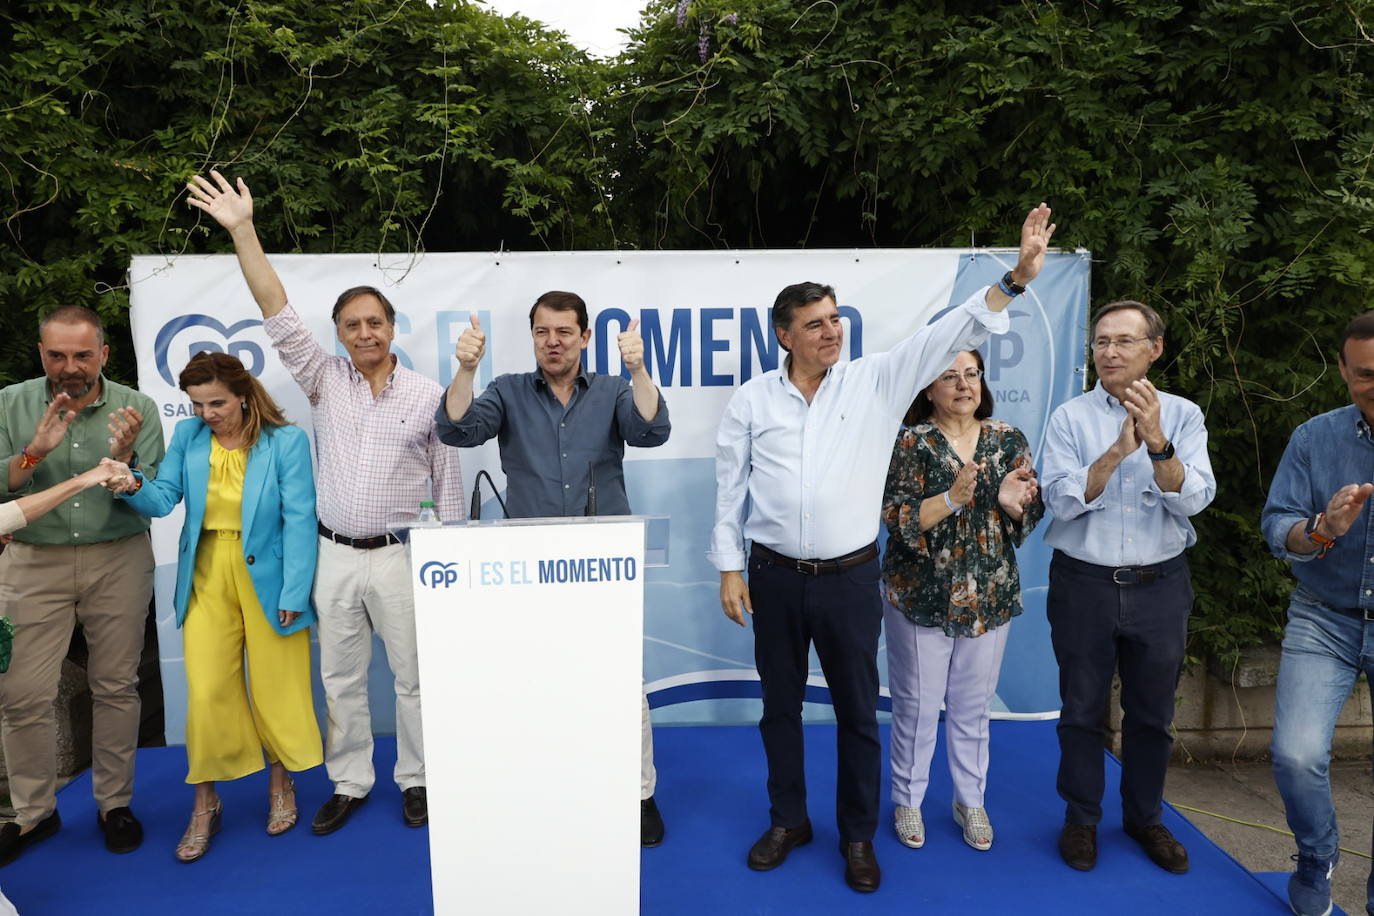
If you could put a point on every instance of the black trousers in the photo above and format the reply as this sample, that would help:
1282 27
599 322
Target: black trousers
1097 625
842 614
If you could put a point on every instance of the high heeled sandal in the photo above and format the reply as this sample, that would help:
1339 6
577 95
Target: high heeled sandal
280 818
195 845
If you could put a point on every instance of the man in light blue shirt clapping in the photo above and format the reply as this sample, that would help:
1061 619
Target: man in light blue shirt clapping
806 449
1317 517
1125 467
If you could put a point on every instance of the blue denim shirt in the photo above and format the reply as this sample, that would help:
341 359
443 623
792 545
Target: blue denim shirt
1323 455
546 446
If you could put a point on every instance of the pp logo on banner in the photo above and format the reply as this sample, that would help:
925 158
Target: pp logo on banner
439 575
247 352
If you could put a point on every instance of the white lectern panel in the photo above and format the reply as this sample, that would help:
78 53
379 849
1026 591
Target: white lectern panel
532 755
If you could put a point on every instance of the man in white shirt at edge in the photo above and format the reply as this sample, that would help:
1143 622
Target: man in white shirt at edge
809 445
378 457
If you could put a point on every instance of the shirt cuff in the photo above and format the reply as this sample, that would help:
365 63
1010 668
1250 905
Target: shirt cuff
977 306
733 561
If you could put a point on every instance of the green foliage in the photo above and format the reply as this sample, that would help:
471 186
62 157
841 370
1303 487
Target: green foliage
1215 157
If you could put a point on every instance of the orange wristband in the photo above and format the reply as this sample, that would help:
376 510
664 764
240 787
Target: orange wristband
27 461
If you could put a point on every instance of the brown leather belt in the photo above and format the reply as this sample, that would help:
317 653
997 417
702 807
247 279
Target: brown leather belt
372 543
816 567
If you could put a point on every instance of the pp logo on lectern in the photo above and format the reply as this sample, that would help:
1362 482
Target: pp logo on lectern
439 575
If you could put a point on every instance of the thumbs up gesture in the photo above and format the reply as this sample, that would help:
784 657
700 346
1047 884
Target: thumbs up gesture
631 347
471 345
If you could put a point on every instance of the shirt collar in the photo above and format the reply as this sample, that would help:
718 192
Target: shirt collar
541 382
1362 426
357 376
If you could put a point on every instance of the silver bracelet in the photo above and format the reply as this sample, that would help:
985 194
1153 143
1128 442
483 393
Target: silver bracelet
950 504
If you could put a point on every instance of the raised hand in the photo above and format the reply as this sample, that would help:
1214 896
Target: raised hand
1018 490
1141 400
229 208
124 426
472 344
961 494
1345 506
1036 233
52 426
631 347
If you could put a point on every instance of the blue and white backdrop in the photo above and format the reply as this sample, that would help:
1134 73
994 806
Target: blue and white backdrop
704 319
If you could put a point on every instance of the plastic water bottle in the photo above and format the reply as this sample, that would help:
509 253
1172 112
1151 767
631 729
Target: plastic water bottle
428 517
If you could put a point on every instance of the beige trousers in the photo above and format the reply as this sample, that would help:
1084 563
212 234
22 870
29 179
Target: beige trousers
46 591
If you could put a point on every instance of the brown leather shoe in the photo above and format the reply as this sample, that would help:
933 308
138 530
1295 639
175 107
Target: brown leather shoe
860 866
1159 844
772 848
1078 846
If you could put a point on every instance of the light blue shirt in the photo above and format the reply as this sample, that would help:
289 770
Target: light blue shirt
1323 455
812 475
1132 522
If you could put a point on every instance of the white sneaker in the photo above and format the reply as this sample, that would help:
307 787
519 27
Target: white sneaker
911 828
977 827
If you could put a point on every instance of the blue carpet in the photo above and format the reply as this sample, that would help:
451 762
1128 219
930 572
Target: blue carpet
711 791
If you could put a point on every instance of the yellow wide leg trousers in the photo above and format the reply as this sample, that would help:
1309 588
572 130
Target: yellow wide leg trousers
235 713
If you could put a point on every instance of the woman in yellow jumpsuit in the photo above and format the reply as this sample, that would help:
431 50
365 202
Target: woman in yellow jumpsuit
247 563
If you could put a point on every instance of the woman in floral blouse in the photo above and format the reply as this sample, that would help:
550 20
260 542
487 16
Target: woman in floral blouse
960 494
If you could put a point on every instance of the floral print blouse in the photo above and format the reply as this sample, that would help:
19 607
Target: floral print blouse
961 574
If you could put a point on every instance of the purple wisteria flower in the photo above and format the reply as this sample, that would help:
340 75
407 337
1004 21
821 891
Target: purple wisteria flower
704 43
731 18
682 13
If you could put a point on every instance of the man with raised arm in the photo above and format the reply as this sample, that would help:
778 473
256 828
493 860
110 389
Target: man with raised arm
377 458
806 447
1318 518
554 423
88 561
1124 468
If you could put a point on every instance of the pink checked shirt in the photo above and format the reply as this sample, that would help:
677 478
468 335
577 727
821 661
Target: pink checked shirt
376 456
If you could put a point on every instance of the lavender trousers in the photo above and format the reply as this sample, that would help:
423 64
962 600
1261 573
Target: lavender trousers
924 669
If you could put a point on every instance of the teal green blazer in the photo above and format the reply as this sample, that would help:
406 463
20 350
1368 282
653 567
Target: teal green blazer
280 534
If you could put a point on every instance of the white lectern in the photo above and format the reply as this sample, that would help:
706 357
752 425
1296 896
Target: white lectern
531 657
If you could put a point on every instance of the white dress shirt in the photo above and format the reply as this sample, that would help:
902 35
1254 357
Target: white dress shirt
1132 522
813 474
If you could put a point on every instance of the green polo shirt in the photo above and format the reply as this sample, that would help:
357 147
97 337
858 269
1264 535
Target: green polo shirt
95 515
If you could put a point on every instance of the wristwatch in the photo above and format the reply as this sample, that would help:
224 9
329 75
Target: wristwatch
1323 542
1161 456
1010 286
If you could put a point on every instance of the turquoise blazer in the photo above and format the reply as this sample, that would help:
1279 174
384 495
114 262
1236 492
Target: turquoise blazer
280 534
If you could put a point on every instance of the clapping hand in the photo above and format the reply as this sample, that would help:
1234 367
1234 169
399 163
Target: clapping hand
124 426
961 493
1018 490
1345 506
1141 400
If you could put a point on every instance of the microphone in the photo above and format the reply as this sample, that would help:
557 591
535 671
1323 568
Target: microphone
591 491
475 510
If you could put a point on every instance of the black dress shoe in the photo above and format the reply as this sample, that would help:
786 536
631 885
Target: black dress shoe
1078 846
650 822
12 842
860 866
123 832
772 848
1159 844
334 813
415 806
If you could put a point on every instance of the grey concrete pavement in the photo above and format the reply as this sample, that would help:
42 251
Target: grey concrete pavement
1245 791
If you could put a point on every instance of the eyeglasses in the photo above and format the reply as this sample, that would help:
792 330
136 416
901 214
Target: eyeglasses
951 378
1122 344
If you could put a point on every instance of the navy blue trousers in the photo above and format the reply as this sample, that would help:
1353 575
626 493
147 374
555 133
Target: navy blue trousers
842 615
1097 626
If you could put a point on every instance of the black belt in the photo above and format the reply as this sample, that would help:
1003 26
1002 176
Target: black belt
1122 575
817 567
1367 615
372 543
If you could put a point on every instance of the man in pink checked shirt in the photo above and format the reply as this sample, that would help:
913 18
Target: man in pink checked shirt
378 458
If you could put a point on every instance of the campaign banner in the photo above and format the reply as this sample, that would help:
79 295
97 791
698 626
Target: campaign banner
705 320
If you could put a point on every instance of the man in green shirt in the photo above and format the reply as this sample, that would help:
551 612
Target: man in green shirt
88 561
